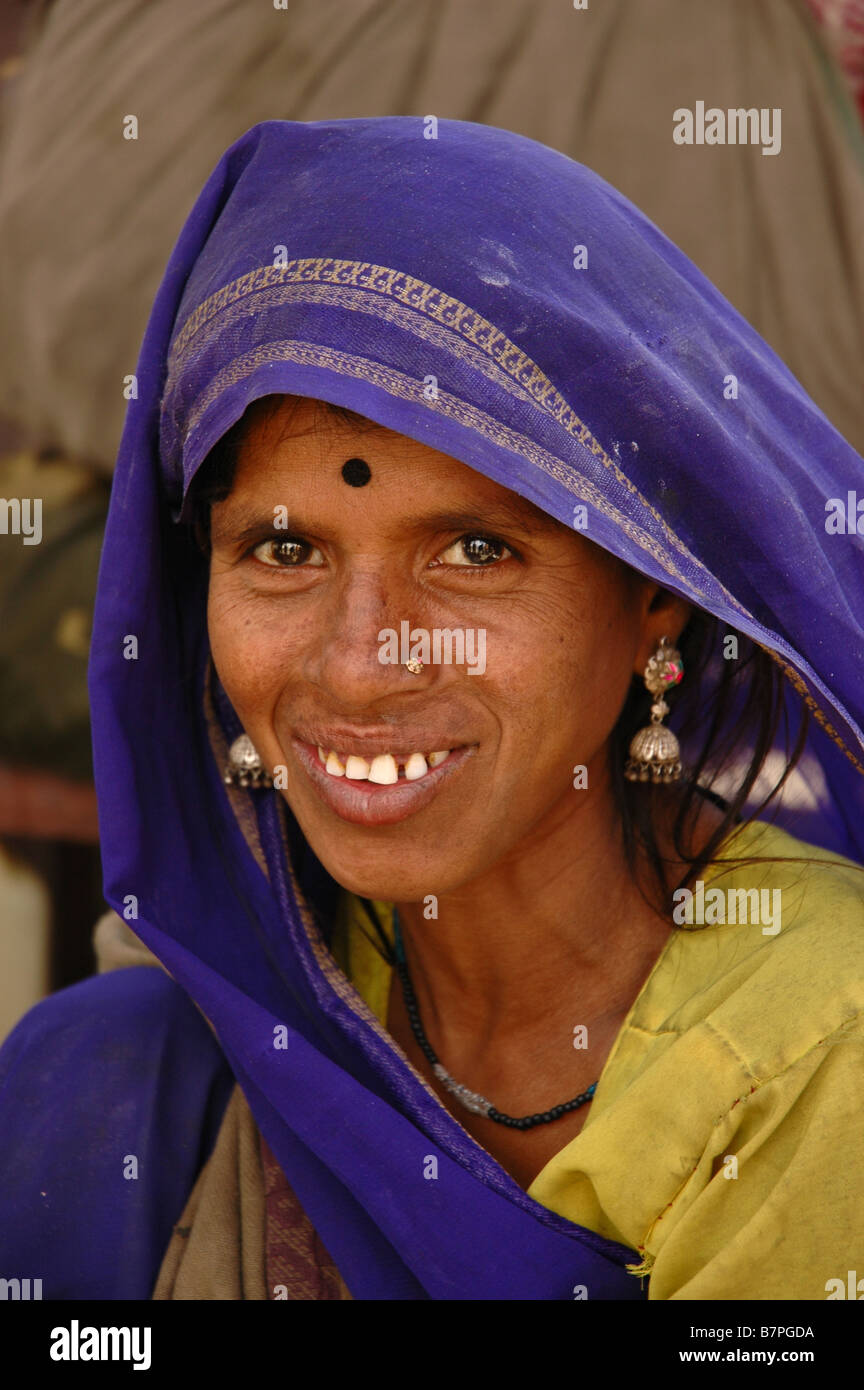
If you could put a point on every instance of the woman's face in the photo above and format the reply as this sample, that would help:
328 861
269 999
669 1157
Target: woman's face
554 627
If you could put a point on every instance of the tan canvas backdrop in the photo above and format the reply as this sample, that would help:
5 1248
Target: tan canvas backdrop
87 218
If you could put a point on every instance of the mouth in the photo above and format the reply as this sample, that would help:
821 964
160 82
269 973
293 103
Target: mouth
378 787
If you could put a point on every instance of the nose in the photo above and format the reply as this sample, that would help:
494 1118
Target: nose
344 660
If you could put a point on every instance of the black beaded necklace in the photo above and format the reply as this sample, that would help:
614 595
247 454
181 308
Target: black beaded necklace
477 1104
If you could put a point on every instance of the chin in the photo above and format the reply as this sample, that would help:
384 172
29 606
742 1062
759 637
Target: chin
382 887
393 882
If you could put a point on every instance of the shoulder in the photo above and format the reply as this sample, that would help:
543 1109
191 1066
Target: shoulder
785 854
776 965
113 1029
780 898
111 1093
152 994
744 1044
810 910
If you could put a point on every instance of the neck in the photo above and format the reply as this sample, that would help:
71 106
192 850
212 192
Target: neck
559 921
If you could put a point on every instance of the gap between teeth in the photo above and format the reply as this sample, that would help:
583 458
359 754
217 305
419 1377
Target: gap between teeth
383 769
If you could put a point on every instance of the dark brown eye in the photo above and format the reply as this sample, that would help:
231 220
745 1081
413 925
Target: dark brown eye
475 551
286 554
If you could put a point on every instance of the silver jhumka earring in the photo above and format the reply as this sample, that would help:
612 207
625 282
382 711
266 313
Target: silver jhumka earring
655 755
245 768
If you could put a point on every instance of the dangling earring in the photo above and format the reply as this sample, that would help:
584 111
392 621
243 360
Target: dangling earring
245 768
655 755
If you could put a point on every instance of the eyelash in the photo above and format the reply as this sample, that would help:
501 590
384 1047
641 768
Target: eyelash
467 535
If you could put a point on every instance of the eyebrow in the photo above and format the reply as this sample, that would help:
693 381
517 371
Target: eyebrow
501 515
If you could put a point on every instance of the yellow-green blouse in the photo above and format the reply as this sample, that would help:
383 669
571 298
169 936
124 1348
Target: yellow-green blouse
725 1141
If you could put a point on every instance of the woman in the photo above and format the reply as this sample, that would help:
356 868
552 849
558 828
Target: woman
468 1037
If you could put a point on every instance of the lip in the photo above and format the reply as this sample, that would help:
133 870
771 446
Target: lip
370 743
368 803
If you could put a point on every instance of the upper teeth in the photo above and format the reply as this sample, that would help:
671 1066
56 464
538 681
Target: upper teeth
383 769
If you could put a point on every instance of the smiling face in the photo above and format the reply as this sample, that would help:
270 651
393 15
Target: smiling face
295 615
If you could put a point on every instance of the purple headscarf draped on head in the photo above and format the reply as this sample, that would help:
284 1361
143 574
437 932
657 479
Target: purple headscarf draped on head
432 284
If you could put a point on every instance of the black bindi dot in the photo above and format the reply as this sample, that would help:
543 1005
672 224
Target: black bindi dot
356 472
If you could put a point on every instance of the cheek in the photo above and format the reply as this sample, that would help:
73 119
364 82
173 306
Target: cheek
245 651
565 670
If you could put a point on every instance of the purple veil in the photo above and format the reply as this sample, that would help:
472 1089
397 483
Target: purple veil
431 278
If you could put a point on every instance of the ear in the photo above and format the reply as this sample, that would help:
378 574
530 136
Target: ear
664 615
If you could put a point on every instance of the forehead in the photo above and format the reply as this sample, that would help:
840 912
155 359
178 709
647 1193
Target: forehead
307 443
